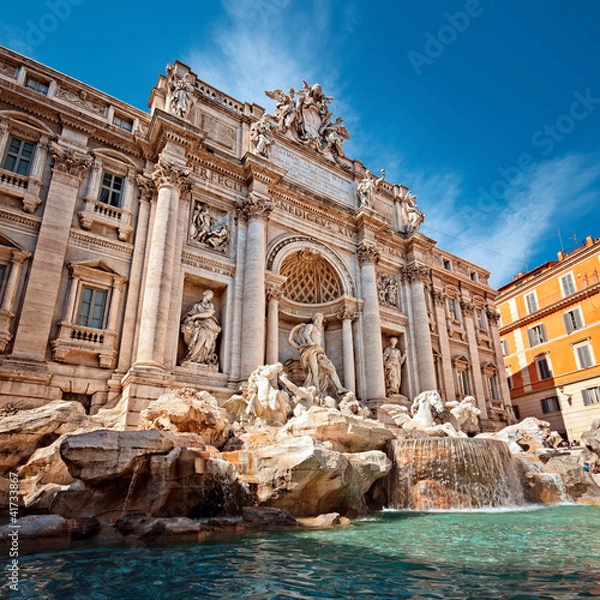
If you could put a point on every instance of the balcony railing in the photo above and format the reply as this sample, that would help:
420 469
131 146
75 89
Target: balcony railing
13 180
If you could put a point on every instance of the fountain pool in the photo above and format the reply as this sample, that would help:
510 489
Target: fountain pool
551 553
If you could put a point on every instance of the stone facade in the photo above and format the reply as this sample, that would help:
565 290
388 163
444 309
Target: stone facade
145 252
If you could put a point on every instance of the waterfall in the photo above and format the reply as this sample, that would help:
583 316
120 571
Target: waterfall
453 473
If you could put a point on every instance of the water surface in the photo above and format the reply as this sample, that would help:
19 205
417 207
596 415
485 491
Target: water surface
530 554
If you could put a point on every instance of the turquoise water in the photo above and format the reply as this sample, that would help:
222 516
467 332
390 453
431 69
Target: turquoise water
545 553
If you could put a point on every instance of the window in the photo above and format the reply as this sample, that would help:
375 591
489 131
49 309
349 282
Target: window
531 303
591 396
37 86
543 367
462 378
123 123
550 404
537 335
567 284
584 355
111 189
474 276
2 273
92 307
447 264
492 387
483 322
573 320
509 379
453 309
19 156
517 412
504 346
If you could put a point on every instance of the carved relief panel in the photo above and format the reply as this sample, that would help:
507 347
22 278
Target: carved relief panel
209 228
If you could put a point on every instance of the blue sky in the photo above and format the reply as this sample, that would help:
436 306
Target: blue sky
489 110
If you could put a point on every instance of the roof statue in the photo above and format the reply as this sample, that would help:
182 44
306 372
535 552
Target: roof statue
306 116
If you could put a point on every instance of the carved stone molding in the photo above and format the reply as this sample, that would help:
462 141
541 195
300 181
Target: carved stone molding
387 290
166 173
492 314
255 207
368 253
68 161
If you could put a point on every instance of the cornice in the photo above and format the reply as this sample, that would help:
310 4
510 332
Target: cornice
551 308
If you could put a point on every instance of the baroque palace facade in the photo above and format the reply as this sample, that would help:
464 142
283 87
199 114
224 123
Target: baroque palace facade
550 334
141 252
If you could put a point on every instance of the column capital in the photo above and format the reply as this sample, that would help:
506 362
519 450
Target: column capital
19 256
255 206
439 297
169 174
415 273
346 314
146 187
467 307
66 160
274 293
492 314
368 253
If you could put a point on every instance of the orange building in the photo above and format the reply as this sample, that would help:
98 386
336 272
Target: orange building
550 337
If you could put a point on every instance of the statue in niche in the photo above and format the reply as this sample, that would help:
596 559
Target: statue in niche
207 230
180 93
307 338
393 359
200 330
260 136
410 215
367 188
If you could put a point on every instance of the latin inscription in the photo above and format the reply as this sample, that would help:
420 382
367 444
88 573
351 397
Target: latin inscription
316 219
220 180
314 177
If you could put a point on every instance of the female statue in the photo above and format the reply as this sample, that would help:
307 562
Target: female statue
393 359
200 329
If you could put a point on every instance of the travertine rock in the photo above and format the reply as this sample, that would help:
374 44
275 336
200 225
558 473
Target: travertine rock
36 527
591 438
23 433
529 435
188 411
303 477
341 432
322 521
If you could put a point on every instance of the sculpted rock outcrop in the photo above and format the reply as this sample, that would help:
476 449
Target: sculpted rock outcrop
303 477
188 411
23 433
529 435
591 438
338 431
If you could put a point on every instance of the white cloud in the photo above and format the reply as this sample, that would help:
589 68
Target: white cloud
265 44
502 240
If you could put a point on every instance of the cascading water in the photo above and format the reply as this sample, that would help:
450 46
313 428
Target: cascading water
453 473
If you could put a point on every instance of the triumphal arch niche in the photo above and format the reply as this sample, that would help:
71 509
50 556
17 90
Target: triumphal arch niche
195 243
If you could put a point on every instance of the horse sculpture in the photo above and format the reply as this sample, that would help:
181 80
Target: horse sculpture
421 416
260 400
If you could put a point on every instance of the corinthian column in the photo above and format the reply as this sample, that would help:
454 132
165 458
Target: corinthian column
368 256
255 209
170 181
420 326
41 295
273 296
347 316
